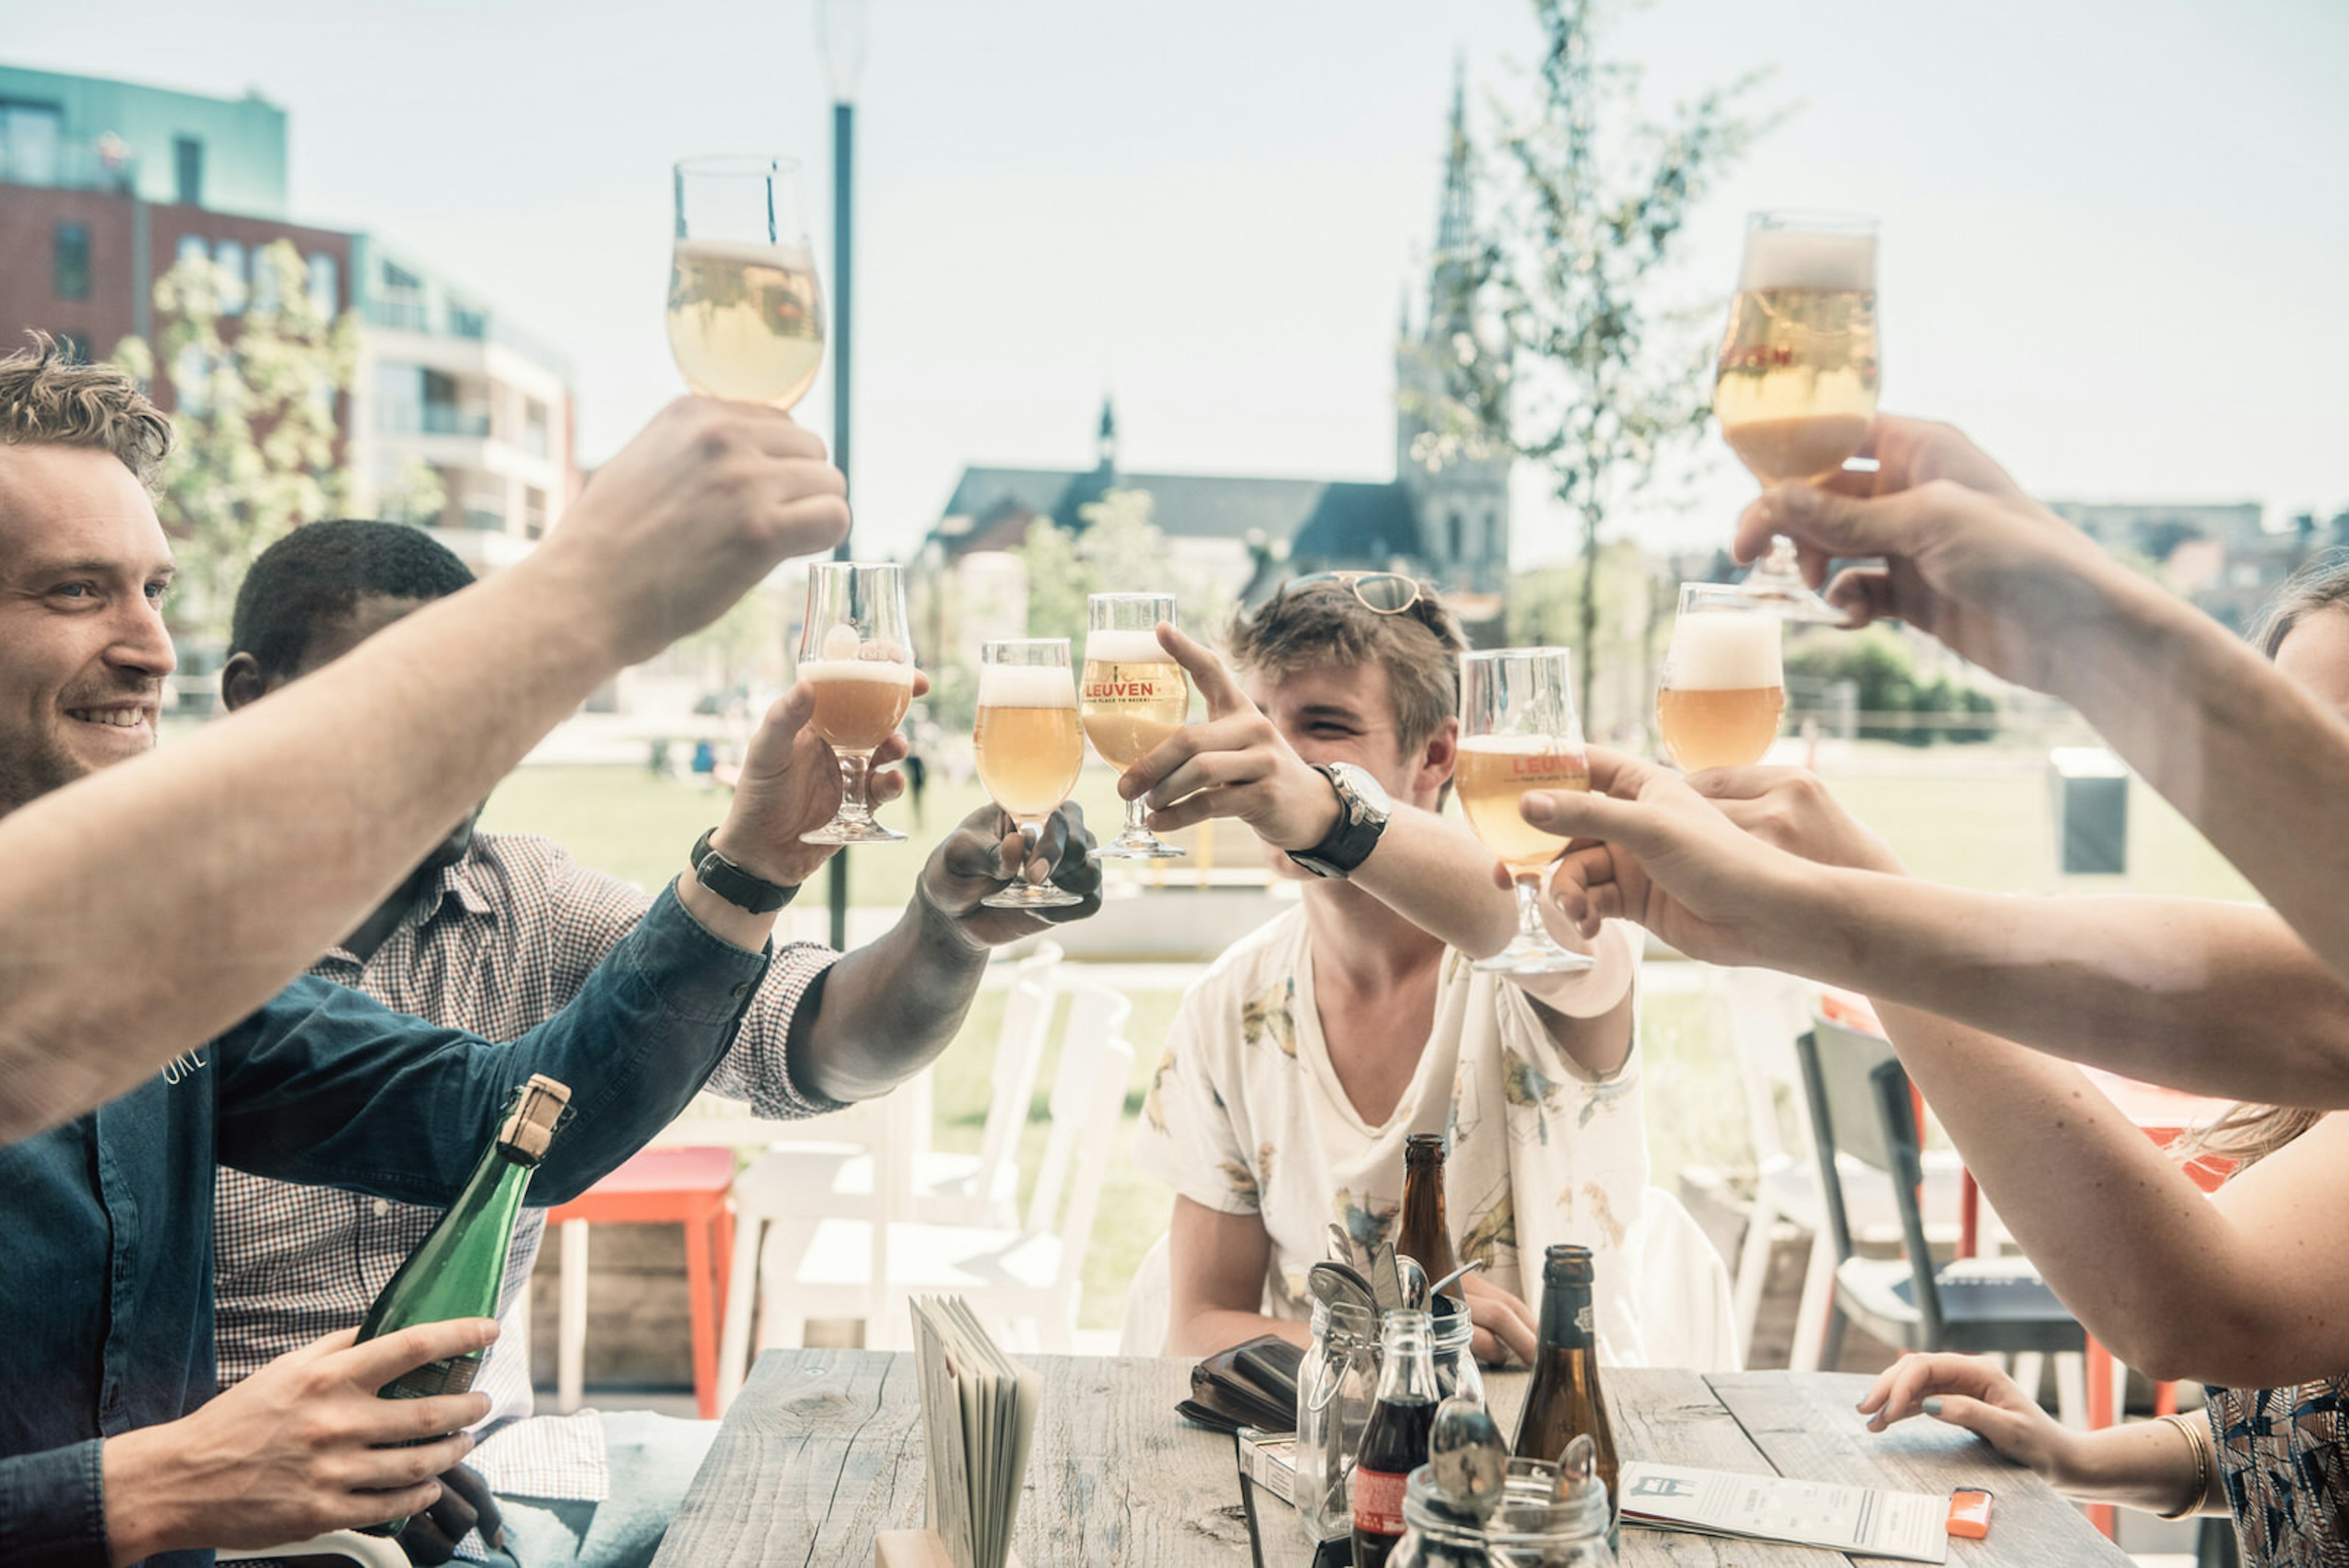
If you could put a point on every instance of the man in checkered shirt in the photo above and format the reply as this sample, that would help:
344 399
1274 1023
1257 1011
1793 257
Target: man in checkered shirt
494 932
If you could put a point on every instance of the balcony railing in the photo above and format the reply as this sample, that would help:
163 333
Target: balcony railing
399 315
445 418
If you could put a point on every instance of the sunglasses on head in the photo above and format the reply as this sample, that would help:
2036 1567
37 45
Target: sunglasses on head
1383 593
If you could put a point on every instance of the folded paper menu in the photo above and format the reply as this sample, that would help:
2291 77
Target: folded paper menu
979 1415
1907 1525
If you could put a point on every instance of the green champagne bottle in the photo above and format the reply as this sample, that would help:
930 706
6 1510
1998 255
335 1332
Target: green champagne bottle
457 1270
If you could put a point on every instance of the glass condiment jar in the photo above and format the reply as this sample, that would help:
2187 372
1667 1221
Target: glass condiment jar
1529 1530
1336 1384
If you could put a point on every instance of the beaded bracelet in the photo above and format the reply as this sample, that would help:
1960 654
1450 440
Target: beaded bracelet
2197 1443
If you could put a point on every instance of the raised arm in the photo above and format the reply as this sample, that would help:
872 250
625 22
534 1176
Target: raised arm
2219 999
151 906
2258 764
2177 1286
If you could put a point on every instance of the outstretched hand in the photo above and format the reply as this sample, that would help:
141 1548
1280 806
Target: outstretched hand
1235 764
791 785
1968 555
988 853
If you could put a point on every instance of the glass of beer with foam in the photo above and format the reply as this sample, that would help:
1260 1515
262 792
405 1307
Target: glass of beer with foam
1028 747
1133 695
1518 732
1725 683
1796 388
745 316
856 656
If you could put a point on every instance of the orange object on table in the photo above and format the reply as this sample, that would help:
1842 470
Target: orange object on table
686 1187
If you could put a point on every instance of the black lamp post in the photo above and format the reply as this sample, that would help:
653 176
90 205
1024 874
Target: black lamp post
840 33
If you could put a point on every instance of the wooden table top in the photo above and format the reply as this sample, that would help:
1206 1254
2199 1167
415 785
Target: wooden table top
823 1448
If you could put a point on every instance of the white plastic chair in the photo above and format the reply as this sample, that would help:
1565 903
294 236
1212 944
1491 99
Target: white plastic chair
1685 1314
1149 1303
1029 1277
356 1546
1766 1011
835 1177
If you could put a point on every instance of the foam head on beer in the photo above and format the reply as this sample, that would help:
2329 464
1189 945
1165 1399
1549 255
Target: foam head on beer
1125 648
1797 382
1027 745
862 689
1812 260
1723 689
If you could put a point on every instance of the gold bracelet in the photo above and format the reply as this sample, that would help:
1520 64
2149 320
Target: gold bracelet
2197 1443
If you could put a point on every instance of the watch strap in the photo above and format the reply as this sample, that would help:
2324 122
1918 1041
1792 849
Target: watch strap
736 885
1351 838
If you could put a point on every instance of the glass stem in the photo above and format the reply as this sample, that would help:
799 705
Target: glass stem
1135 810
855 786
1530 921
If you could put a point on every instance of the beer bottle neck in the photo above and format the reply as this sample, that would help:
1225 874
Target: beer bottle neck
1566 1322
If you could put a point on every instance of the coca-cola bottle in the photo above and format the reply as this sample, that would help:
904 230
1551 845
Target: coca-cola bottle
1394 1442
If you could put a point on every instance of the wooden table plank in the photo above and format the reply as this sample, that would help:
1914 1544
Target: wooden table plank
1675 1419
1808 1426
1116 1477
823 1450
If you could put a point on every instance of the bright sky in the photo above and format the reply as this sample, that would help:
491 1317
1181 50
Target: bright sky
2113 230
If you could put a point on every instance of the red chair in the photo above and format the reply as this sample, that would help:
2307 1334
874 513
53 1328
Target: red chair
683 1186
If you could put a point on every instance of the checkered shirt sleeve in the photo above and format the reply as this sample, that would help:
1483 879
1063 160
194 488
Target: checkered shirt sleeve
516 930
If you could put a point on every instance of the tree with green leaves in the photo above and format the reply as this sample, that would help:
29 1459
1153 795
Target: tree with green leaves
256 371
1563 348
1120 550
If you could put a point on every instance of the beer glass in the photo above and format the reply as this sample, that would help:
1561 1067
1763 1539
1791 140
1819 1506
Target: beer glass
1796 391
1134 695
856 656
745 316
1725 684
1518 732
1028 747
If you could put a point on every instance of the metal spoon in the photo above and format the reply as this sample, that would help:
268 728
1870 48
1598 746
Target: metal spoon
1576 1468
1413 1280
1386 1280
1469 1457
1337 1286
1470 1267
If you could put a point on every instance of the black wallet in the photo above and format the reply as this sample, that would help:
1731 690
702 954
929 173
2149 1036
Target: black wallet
1250 1385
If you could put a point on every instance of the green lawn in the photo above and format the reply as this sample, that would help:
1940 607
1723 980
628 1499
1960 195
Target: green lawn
1954 816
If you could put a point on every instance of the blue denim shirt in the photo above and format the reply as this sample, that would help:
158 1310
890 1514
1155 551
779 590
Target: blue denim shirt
106 1224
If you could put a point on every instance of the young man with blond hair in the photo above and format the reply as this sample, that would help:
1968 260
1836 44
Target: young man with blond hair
1301 1062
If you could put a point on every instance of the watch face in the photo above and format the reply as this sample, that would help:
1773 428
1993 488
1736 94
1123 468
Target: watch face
1357 781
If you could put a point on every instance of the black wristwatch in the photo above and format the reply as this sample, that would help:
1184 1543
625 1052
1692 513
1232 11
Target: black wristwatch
1362 812
736 885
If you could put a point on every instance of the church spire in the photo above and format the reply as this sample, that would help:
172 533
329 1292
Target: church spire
1451 229
1456 221
1105 447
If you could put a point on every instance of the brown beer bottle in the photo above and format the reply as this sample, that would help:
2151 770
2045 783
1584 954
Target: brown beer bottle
1425 1236
1563 1398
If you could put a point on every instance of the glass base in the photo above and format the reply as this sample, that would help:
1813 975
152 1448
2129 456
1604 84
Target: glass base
1775 587
1138 843
1031 896
848 830
1532 955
